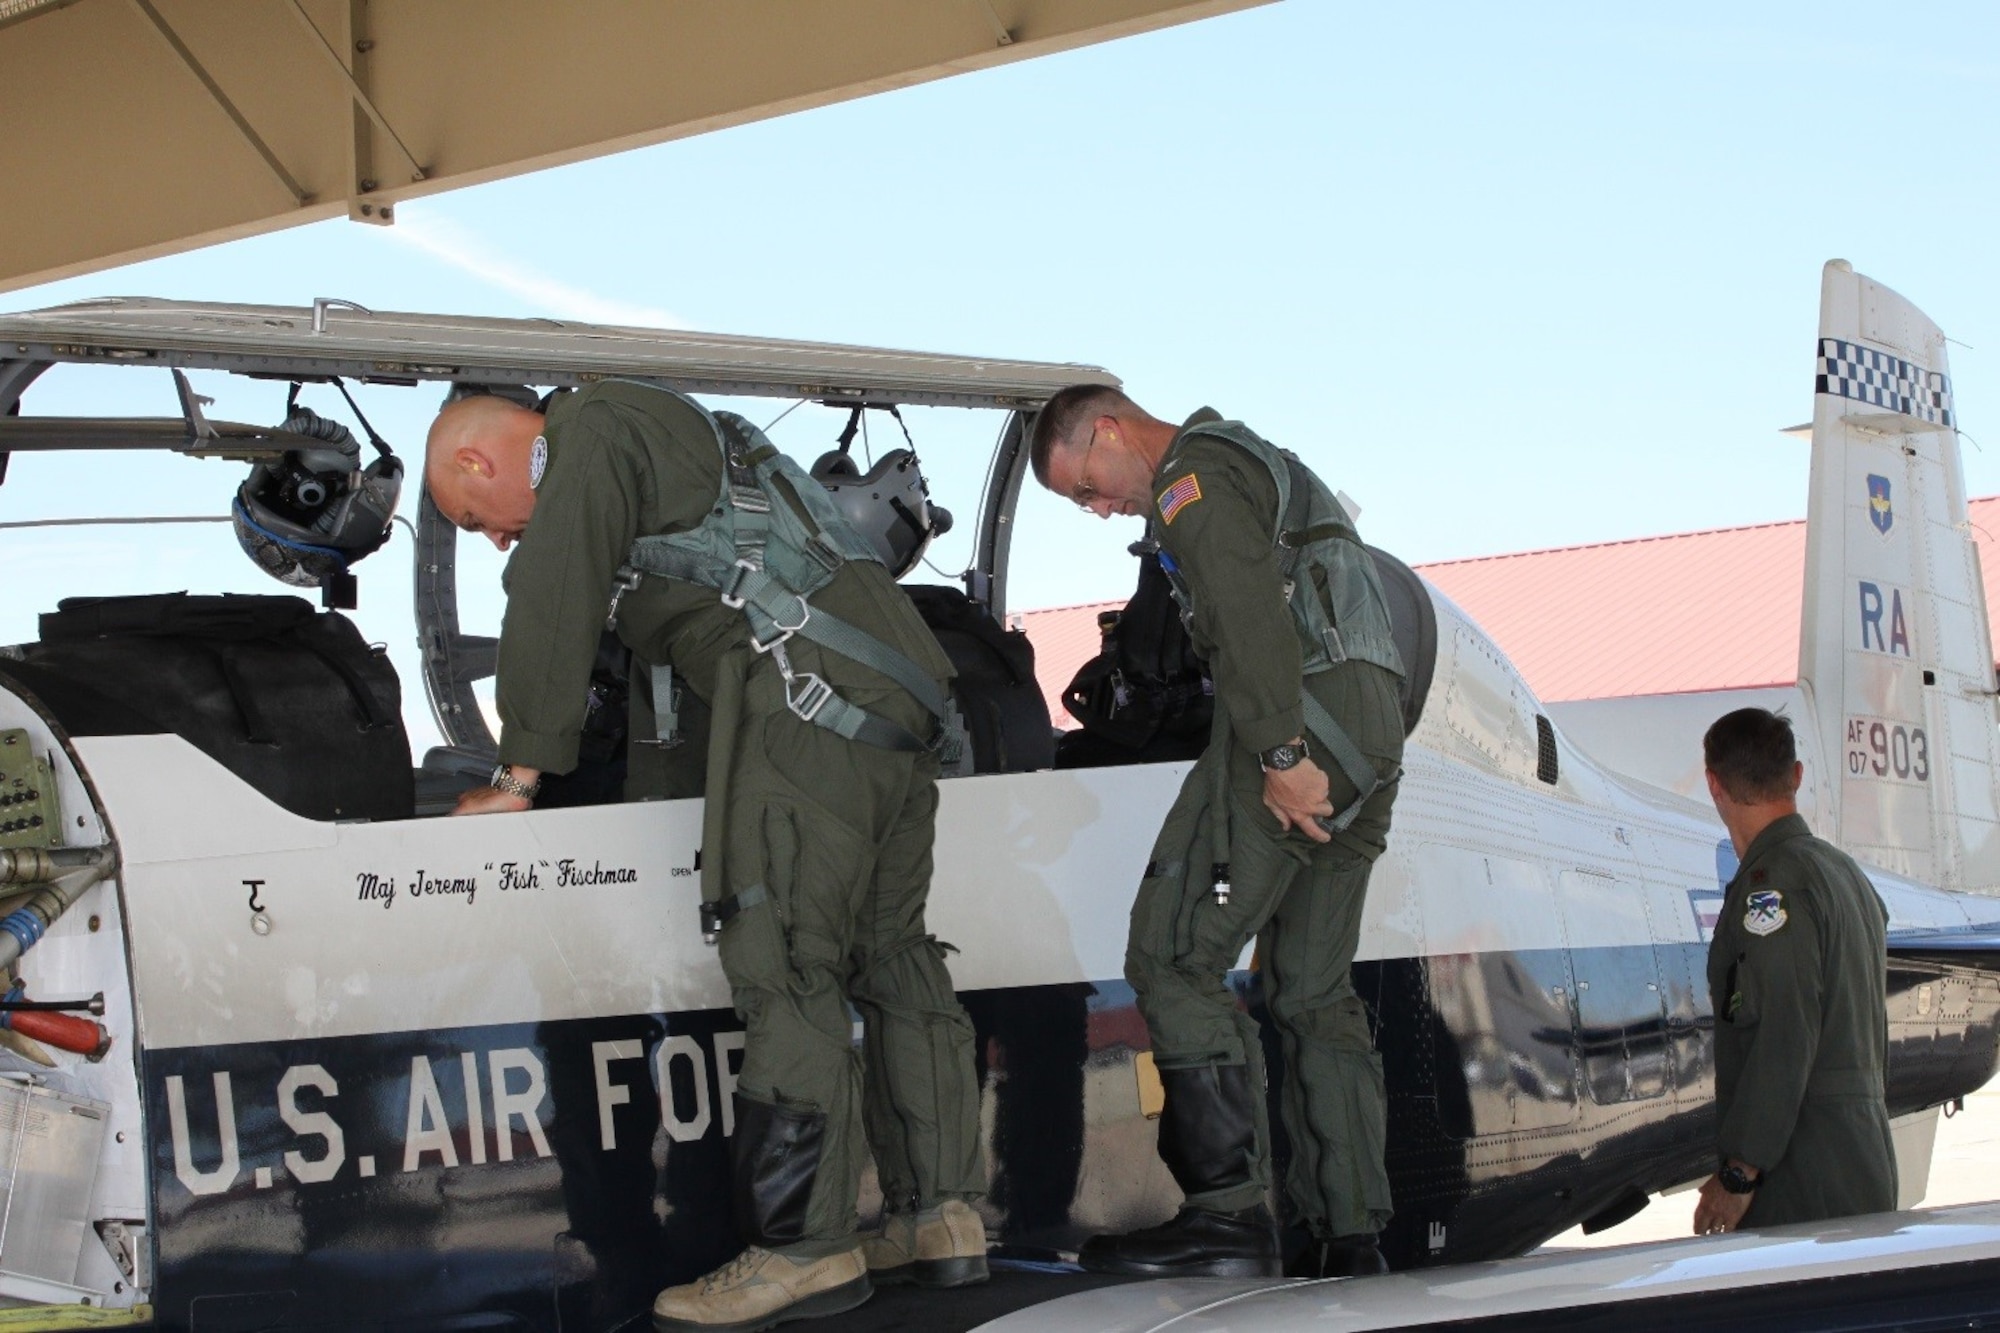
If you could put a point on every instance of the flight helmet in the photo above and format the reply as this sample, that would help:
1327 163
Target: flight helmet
889 504
307 515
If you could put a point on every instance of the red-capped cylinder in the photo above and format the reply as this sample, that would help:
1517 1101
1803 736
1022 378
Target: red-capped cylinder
62 1031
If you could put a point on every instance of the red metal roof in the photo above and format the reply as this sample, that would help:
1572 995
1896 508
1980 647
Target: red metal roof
1713 610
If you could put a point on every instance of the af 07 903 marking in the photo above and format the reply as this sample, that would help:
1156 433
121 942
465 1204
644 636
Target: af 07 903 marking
1887 750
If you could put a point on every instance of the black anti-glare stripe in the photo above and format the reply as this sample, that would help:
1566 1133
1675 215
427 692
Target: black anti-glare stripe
1910 1300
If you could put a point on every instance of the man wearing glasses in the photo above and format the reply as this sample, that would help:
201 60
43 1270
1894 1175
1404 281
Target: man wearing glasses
1272 836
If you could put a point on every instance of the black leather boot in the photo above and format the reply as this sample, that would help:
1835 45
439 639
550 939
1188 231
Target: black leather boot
775 1155
1197 1243
1208 1131
1208 1139
1342 1256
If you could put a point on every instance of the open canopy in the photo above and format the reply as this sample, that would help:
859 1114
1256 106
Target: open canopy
147 127
339 338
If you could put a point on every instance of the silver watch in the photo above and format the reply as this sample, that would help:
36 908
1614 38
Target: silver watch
503 780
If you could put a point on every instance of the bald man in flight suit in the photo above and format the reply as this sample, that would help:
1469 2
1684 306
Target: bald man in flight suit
822 800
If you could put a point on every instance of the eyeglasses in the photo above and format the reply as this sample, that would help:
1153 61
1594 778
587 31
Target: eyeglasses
1083 492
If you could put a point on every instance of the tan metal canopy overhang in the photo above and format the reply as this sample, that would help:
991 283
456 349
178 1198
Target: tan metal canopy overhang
139 128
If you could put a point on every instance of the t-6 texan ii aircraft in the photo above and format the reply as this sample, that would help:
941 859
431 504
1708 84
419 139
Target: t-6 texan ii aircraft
359 1066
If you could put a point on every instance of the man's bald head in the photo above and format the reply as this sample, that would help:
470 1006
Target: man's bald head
476 465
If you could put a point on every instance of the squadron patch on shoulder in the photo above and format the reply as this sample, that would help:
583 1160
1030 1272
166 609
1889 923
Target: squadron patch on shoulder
1765 914
1178 497
538 461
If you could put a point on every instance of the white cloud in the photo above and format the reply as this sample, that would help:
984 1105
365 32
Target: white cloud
465 250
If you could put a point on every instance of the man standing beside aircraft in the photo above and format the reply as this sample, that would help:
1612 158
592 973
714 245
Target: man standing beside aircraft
1272 836
1798 976
822 786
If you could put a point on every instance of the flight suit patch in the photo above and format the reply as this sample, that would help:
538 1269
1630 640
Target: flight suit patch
1178 497
538 461
1765 914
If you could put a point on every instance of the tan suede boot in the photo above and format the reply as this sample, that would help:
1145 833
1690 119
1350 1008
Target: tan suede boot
758 1289
939 1247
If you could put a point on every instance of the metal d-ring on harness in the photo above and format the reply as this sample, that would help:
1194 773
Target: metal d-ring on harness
765 557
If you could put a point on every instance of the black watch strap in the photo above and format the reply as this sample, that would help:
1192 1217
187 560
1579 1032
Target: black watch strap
1281 757
1736 1180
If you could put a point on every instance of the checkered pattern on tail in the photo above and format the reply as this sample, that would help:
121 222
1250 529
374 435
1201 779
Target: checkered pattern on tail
1868 375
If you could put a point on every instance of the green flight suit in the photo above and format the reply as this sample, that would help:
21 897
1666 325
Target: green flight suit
1798 976
1299 899
837 834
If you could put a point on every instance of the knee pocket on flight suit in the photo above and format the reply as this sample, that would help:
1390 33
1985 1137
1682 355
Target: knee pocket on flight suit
1162 932
796 939
1341 1025
910 974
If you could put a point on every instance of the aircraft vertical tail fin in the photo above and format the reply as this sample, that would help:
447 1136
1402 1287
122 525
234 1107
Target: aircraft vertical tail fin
1895 654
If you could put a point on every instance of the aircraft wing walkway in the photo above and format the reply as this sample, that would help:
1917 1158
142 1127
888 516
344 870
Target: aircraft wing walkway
1014 1287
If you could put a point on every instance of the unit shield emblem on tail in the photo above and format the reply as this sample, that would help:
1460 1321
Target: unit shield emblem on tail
1879 509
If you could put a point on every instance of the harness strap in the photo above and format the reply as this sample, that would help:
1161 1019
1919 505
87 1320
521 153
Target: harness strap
775 614
1347 757
716 915
811 699
1297 510
830 631
776 611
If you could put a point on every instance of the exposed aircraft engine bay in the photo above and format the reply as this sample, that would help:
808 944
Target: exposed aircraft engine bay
270 1022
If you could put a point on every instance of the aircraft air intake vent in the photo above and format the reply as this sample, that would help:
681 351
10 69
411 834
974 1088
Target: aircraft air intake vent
1545 758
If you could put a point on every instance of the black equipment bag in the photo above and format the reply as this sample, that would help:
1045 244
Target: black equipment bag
290 699
996 691
1146 697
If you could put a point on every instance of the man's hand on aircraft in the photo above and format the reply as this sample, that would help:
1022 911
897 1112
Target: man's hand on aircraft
490 801
1719 1211
1298 797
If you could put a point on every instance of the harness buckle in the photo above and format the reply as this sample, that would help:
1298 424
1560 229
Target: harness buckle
623 582
739 573
806 694
823 555
750 499
780 631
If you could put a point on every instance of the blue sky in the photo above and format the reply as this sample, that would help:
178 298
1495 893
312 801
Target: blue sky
1511 276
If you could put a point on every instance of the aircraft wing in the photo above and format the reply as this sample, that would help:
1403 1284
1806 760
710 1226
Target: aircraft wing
1978 948
1926 1268
261 116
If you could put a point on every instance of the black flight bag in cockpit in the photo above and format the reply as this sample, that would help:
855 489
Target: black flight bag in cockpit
289 698
1146 697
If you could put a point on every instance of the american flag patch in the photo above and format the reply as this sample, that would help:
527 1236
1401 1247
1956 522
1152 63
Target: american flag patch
1178 497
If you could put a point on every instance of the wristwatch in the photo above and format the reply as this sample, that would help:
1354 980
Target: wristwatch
1281 757
1736 1180
503 779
